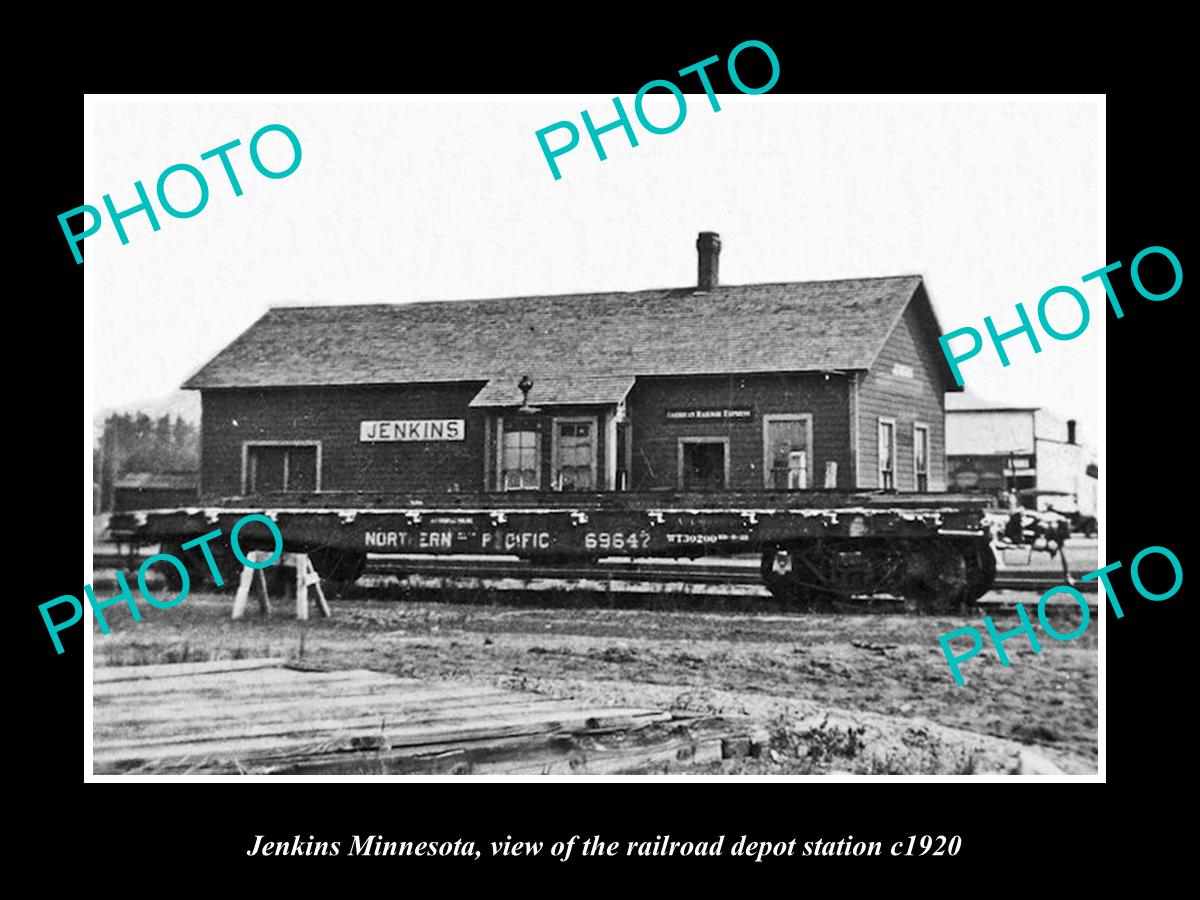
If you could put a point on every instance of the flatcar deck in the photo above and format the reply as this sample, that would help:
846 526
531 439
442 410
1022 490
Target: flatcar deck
611 500
931 547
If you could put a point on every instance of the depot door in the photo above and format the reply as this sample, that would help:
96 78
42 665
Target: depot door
787 451
575 454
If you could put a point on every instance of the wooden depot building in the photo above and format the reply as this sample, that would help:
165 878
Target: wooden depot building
793 386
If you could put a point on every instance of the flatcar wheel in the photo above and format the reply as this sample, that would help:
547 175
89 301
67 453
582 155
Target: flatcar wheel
200 576
779 584
783 584
815 600
170 574
981 568
339 569
938 580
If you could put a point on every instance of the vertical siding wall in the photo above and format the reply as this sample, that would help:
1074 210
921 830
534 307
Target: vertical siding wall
907 400
655 438
332 416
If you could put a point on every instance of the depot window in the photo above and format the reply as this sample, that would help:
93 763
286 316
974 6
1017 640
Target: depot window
921 455
281 467
520 457
887 454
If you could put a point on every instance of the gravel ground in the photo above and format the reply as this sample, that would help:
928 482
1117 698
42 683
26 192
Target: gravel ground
844 692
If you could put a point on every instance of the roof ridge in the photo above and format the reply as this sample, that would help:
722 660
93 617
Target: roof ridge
836 324
372 304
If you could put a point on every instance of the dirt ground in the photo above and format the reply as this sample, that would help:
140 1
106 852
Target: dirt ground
847 692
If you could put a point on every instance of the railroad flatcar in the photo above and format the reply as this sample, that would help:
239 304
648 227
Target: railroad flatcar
803 421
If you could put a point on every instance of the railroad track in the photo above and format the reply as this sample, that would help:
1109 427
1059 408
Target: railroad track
653 573
687 573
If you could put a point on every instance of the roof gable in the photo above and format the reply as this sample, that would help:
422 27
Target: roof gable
797 327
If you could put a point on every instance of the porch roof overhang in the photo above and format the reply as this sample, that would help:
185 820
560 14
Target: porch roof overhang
556 390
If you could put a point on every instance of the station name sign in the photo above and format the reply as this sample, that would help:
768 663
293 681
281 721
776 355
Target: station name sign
708 415
412 430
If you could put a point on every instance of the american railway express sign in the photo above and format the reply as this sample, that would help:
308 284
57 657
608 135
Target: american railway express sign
743 414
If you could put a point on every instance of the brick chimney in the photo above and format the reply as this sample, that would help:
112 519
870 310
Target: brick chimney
1070 431
709 247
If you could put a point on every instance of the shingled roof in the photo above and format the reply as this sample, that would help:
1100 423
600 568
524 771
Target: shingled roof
791 327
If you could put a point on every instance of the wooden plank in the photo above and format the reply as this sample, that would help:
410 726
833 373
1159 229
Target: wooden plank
216 716
613 762
265 682
247 751
257 706
256 715
517 757
472 719
428 758
257 680
687 741
372 724
108 674
279 694
676 743
254 679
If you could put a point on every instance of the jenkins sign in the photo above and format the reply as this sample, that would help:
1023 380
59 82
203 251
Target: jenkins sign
412 430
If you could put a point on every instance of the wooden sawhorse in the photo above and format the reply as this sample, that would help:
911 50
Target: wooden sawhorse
306 576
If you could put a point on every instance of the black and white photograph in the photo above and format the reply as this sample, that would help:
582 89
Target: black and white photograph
529 437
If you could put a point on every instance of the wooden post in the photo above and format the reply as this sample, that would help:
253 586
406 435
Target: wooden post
248 578
243 592
1062 551
300 562
264 599
306 576
313 577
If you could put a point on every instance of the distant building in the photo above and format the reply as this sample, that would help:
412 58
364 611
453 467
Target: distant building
155 490
998 447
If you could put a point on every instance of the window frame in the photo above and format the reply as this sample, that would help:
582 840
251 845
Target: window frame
767 419
879 469
246 447
917 473
699 439
535 428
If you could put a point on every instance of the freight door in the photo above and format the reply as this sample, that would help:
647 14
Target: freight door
703 464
